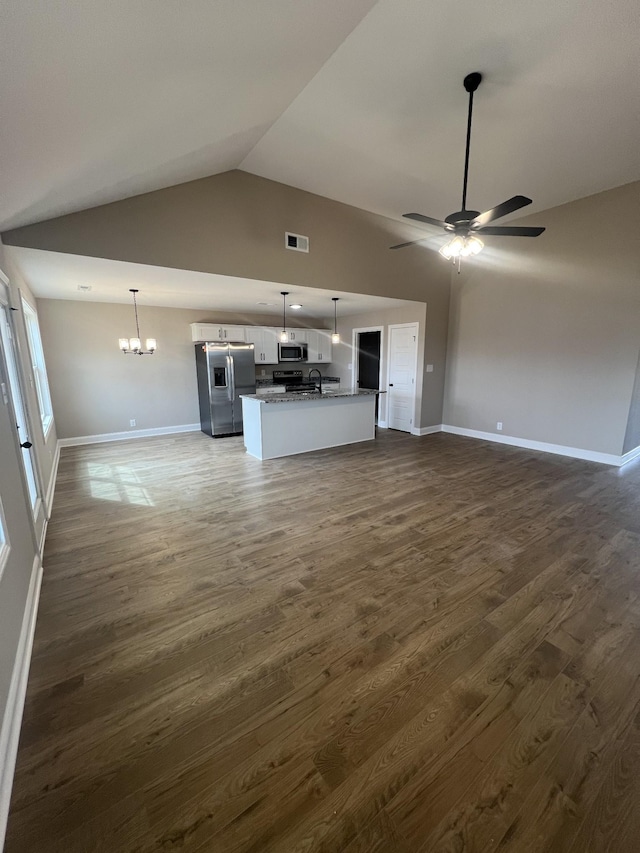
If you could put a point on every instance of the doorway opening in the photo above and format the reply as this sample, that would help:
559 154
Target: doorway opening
367 348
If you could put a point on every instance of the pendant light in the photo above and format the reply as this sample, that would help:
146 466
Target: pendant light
134 345
284 337
335 337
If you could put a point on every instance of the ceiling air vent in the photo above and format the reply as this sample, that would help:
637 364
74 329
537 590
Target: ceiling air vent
84 288
296 242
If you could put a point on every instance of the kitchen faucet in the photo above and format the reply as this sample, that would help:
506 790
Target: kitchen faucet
319 384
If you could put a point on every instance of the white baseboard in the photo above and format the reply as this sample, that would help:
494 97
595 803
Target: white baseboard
630 456
12 719
125 436
48 501
382 424
428 430
544 447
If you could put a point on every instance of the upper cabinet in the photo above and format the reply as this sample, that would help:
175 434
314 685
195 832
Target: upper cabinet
265 340
318 346
216 332
300 336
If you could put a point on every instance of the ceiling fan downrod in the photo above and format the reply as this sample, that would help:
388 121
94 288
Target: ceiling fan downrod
471 83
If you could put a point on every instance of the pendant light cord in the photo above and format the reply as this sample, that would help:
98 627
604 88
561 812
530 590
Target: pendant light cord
135 308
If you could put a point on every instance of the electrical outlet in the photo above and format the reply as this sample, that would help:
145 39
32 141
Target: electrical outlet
429 368
499 425
132 422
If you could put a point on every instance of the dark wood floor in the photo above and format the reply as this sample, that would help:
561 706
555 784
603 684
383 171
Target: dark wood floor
409 645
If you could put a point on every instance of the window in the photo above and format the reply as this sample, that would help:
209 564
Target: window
38 365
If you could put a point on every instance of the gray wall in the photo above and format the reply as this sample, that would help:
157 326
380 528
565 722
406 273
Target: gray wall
234 224
544 334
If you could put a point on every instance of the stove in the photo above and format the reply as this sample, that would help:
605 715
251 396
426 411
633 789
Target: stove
293 381
287 377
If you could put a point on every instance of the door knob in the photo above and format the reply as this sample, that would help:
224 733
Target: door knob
26 445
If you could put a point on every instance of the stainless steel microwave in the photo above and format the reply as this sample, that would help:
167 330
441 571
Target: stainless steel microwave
292 352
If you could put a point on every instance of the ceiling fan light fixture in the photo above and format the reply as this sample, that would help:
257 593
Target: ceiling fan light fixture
466 221
461 247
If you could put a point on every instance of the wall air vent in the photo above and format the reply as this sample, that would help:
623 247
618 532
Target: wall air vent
296 242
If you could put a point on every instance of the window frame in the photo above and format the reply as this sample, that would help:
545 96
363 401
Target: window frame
38 366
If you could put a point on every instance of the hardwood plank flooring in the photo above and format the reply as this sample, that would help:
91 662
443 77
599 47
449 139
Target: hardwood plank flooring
404 646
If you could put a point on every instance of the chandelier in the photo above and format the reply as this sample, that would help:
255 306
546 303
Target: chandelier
134 345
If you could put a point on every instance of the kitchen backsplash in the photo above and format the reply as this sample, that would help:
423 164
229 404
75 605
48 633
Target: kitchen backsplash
264 375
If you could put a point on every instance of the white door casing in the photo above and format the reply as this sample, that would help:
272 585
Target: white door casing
402 371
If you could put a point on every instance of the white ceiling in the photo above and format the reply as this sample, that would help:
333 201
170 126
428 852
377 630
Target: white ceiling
54 275
358 101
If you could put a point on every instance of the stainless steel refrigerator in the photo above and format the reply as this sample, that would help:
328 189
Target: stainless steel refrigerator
225 370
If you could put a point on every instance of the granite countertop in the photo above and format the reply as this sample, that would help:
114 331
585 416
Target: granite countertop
294 397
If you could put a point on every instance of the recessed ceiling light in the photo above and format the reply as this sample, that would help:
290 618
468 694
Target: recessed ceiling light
296 306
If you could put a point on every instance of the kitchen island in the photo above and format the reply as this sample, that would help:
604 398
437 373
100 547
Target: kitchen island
286 424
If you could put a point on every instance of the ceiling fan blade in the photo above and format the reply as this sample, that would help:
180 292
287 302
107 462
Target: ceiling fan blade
511 231
508 206
411 243
420 218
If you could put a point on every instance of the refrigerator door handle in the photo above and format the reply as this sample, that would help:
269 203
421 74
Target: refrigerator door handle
231 383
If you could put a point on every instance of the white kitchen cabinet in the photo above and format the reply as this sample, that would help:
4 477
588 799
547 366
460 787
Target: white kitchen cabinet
216 332
265 340
232 333
300 336
319 346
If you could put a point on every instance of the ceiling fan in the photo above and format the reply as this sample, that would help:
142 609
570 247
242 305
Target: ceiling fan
465 225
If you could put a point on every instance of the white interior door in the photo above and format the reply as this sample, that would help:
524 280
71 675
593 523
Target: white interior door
20 415
403 350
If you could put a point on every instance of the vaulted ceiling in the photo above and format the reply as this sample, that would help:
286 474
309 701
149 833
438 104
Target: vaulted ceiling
360 101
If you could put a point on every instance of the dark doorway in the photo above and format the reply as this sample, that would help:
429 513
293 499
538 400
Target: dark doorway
369 361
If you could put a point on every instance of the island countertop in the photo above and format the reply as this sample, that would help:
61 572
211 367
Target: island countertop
306 396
